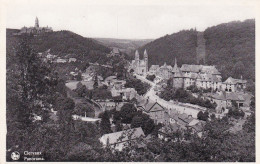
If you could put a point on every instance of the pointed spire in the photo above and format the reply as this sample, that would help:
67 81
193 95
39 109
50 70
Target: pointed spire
136 52
145 53
175 62
136 55
36 22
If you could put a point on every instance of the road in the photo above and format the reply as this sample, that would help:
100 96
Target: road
181 107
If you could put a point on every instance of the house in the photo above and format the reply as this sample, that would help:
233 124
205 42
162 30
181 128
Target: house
224 99
154 110
153 69
129 93
164 71
115 52
209 81
109 80
234 85
126 93
197 127
120 140
169 132
72 60
60 60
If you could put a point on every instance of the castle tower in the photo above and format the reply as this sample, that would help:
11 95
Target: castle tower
146 60
36 23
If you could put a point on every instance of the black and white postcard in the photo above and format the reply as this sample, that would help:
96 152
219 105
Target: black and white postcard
128 81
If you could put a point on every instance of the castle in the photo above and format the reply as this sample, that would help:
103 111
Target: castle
202 76
140 67
34 30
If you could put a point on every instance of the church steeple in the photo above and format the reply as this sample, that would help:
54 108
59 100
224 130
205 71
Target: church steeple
36 23
145 54
146 60
175 62
136 55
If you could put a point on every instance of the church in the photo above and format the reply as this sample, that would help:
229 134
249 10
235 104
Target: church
140 67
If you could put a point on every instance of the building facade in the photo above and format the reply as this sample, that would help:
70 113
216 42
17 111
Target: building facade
140 67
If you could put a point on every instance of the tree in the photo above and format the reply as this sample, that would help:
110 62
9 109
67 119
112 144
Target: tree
119 126
81 90
127 112
79 76
143 121
105 125
64 103
235 113
150 77
238 69
203 115
249 125
131 70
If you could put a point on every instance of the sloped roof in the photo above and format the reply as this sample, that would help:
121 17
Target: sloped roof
185 118
115 50
154 67
169 67
228 96
199 126
234 96
156 107
178 75
166 67
176 69
231 80
122 136
194 122
150 106
171 128
192 75
209 77
191 68
210 69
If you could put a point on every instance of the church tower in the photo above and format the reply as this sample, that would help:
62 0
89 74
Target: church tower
175 63
36 23
146 60
137 62
136 55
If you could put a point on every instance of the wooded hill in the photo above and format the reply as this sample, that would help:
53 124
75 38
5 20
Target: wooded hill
62 43
229 46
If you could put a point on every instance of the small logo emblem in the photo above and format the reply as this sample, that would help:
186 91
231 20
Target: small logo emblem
15 155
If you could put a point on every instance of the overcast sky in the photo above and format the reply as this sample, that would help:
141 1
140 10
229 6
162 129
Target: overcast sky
129 20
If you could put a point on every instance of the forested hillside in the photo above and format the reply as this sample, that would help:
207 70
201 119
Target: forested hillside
181 45
229 46
62 43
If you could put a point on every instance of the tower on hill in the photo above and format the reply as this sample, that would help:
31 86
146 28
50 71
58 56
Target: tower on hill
36 23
